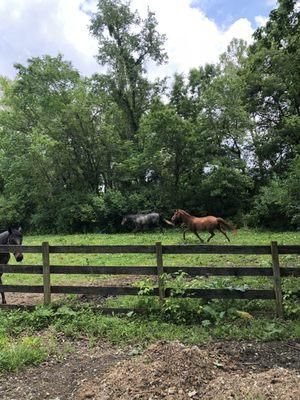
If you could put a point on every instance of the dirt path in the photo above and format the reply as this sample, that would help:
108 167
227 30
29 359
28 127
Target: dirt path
169 371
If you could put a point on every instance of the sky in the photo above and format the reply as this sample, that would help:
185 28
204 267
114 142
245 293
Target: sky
197 31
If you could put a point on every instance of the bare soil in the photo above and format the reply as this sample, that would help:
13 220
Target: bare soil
173 371
60 376
28 299
166 370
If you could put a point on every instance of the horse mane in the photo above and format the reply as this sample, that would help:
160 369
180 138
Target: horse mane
184 213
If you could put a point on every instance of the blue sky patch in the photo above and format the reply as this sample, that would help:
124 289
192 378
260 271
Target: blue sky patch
225 12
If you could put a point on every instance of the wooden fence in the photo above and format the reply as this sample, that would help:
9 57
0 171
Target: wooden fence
46 269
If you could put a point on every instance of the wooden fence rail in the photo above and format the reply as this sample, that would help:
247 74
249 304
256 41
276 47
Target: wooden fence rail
47 269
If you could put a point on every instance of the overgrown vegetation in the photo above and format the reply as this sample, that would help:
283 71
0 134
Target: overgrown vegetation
222 140
192 321
19 346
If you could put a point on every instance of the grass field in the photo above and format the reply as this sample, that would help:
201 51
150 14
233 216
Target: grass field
170 237
20 331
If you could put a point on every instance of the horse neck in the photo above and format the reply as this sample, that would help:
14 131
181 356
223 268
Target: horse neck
185 216
4 237
131 217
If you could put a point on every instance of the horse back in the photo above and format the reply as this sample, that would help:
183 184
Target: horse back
205 223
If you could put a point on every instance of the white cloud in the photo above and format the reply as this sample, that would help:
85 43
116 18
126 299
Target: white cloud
193 39
35 27
32 28
260 20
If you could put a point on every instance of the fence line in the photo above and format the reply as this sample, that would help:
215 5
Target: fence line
166 249
46 269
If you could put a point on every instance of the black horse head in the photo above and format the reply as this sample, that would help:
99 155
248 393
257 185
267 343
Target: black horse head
15 237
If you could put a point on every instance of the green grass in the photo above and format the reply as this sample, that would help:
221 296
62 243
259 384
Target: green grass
244 236
20 343
17 354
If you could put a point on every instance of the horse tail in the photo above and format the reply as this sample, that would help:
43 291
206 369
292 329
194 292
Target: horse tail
163 220
223 222
168 222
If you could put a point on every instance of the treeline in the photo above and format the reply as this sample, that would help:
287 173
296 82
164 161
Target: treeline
77 153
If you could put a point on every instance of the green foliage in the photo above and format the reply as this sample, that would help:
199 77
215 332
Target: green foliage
269 208
279 201
77 153
126 43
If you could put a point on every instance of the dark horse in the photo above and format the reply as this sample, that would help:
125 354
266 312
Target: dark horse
13 237
146 220
195 224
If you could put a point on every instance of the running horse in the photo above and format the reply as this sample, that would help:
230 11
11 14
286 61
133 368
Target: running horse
195 224
10 237
146 220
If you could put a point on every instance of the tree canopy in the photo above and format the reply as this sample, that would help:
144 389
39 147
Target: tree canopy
77 153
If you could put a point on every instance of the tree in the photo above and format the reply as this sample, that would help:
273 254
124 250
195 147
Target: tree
272 74
58 140
126 44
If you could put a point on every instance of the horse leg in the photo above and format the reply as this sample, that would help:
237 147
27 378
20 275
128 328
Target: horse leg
184 232
2 293
161 228
201 240
224 233
212 234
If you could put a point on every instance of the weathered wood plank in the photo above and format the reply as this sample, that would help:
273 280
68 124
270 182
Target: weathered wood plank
100 290
111 249
119 291
160 272
288 249
9 248
148 271
226 294
21 269
167 249
46 273
290 271
277 280
103 270
215 249
221 271
22 288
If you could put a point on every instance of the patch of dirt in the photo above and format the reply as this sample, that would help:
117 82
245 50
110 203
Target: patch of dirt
276 383
173 371
165 371
28 299
60 377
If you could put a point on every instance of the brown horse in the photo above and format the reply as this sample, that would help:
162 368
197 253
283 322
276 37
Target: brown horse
195 224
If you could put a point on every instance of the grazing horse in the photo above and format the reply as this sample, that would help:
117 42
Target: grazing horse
141 220
13 237
195 224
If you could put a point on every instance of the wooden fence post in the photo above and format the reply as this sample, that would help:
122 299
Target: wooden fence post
46 273
277 279
160 271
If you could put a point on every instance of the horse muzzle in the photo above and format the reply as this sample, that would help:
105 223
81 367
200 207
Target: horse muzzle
18 257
